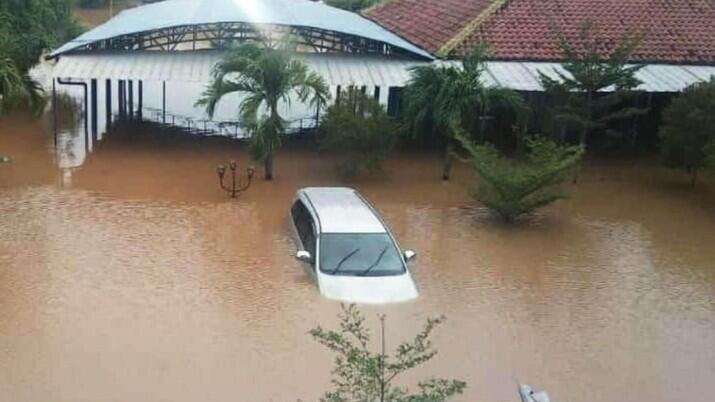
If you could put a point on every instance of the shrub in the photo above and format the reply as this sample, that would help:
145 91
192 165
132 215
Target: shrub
689 127
362 375
515 187
358 127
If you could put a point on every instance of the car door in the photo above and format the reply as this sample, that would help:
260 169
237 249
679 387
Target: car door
306 230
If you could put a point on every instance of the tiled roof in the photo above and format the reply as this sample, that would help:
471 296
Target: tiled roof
674 31
429 24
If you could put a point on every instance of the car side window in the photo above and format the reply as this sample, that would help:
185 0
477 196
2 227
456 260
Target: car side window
304 224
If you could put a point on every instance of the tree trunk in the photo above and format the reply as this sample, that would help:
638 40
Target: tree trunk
447 164
268 165
589 114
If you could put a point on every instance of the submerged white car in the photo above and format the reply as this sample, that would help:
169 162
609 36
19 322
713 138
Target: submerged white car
347 249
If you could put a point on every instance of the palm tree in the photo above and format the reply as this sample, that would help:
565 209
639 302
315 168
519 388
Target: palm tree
10 87
10 83
265 76
16 86
441 99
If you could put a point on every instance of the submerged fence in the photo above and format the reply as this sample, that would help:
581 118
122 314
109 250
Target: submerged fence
225 128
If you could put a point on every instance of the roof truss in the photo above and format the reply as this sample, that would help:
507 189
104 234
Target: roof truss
222 35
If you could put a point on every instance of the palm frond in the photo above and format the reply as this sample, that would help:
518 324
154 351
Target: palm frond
12 86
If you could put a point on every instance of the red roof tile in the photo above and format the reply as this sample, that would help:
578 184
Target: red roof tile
677 31
429 24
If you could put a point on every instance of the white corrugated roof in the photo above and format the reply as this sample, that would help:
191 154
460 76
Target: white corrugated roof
342 210
337 69
343 69
524 76
176 13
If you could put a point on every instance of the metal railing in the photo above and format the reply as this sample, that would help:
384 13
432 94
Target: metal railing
225 128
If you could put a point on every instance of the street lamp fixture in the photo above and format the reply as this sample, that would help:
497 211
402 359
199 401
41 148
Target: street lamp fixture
238 185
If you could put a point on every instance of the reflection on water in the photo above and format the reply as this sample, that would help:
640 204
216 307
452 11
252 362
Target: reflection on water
138 280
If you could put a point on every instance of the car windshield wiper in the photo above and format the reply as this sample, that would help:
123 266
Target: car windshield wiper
347 257
382 253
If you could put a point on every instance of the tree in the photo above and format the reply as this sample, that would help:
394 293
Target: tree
11 84
595 90
30 27
689 128
93 3
513 187
441 99
352 5
710 160
364 376
265 76
27 28
358 127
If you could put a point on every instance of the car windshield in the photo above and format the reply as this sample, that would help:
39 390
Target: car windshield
361 254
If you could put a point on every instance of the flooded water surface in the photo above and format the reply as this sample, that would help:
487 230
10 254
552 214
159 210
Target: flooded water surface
126 275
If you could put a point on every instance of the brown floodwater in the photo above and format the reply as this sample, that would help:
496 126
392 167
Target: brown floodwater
128 276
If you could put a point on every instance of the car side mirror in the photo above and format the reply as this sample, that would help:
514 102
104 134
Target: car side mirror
409 255
303 256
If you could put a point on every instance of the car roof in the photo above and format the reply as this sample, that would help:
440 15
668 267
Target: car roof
342 210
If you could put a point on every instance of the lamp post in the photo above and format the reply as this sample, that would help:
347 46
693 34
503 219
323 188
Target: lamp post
237 185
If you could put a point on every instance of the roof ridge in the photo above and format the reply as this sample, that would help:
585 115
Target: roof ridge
465 32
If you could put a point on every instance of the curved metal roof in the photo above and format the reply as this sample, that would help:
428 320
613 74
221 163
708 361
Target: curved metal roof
175 13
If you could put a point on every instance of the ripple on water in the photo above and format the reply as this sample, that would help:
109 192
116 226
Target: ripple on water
112 290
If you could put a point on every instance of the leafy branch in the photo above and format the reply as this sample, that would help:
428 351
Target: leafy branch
361 375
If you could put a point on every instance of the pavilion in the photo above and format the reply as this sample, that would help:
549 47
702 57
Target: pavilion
157 48
176 43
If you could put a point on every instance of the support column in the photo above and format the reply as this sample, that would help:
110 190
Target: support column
131 100
392 106
376 94
54 110
95 111
337 94
124 98
140 112
108 102
163 102
120 98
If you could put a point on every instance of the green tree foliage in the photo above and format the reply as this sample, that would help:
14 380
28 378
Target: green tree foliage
264 77
512 187
352 5
441 99
93 3
597 90
358 127
710 160
689 128
27 28
11 84
361 375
